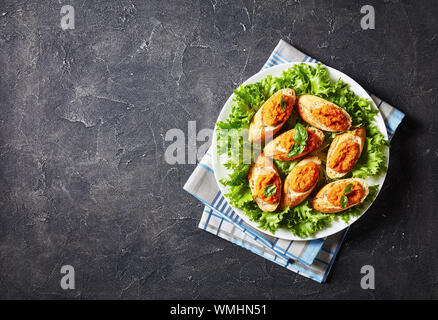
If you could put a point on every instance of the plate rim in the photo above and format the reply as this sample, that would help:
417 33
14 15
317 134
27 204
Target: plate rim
283 233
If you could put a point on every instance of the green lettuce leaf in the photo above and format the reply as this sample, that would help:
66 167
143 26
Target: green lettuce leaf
304 221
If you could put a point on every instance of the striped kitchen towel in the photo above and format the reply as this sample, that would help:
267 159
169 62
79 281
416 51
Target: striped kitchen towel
312 259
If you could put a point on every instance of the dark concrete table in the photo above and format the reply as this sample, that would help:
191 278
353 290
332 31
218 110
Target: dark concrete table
83 117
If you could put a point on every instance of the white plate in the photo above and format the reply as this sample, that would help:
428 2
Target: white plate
221 172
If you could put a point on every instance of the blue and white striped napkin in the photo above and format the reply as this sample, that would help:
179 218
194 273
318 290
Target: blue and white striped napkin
312 259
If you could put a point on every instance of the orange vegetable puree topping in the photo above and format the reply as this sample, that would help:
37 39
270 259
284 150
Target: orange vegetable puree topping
304 177
344 157
354 197
331 117
265 180
287 141
273 111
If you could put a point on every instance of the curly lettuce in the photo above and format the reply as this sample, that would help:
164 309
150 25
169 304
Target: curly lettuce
302 220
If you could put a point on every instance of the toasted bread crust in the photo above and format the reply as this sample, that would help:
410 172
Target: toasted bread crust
305 105
321 204
291 198
274 150
258 130
261 166
358 136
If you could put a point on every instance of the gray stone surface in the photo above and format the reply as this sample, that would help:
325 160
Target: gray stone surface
82 123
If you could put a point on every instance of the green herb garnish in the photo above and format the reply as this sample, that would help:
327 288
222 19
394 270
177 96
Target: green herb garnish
283 103
344 201
300 137
269 190
348 188
344 198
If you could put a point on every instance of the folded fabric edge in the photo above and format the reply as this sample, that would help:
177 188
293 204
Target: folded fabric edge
335 254
310 253
295 266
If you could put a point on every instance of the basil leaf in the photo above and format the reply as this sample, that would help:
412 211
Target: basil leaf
300 137
344 201
300 133
348 188
283 103
296 149
269 190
